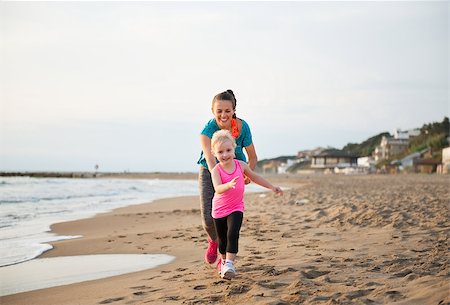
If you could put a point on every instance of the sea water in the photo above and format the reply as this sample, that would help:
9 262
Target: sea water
28 206
56 271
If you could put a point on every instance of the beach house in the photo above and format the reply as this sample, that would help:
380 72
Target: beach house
331 158
271 167
390 146
406 134
419 162
444 168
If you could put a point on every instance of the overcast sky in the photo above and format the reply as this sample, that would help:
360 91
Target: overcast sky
129 86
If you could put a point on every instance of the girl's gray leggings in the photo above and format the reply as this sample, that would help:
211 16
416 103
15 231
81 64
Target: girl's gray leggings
206 195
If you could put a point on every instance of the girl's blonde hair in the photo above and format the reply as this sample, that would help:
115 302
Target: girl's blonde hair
222 136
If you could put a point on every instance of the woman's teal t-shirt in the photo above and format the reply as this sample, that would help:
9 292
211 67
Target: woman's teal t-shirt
244 139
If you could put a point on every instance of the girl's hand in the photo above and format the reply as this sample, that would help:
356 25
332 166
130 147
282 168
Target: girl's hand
247 180
232 183
277 190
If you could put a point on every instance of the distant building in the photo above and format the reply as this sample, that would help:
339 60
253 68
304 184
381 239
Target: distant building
406 134
444 168
418 162
308 154
389 147
366 161
426 166
408 161
283 167
271 167
331 158
367 164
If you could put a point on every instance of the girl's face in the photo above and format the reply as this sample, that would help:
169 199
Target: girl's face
224 152
223 113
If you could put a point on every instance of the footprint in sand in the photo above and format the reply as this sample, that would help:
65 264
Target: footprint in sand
374 284
313 274
111 300
358 294
170 298
332 299
403 273
271 285
207 300
237 289
394 295
286 235
264 239
270 270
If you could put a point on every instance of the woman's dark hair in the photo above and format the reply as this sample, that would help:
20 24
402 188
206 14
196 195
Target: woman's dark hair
226 96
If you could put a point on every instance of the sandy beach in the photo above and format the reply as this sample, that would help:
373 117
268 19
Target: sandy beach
329 240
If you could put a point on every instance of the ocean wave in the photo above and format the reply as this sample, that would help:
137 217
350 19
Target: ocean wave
31 205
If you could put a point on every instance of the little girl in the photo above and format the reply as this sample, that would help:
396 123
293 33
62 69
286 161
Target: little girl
228 202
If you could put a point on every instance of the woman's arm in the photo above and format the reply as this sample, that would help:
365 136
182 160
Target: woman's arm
205 141
251 154
217 182
252 160
259 180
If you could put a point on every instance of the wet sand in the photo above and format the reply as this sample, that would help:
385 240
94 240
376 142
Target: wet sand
328 240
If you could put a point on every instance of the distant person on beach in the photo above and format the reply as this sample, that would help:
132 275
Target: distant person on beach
228 202
224 111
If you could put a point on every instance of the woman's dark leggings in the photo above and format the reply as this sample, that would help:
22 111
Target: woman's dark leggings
206 196
227 229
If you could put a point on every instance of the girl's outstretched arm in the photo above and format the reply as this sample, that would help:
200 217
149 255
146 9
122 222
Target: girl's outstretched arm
259 179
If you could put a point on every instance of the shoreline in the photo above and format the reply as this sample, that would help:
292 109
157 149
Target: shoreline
90 174
32 205
326 241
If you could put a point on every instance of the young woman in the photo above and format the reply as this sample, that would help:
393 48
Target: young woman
228 201
224 111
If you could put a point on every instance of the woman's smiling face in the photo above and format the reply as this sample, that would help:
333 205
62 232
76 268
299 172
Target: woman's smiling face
223 113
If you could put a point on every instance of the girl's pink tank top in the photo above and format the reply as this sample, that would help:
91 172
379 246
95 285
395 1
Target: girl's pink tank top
232 200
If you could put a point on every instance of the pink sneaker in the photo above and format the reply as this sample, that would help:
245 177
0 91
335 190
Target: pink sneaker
211 252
